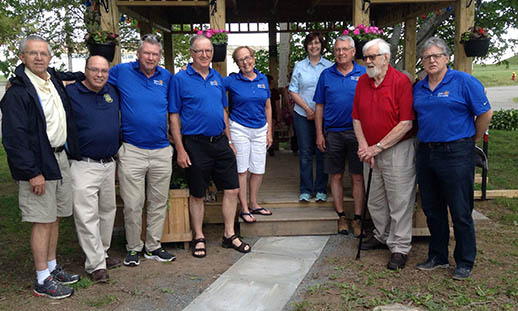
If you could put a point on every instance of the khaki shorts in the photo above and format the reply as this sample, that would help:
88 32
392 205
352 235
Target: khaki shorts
57 200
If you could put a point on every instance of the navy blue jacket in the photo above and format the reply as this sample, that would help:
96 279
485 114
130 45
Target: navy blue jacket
24 133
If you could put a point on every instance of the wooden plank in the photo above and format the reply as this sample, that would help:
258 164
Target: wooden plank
464 18
170 3
410 45
110 22
493 194
359 15
406 1
217 21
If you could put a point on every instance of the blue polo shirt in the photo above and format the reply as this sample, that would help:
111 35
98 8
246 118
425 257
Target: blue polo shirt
143 104
336 92
200 102
304 81
446 113
96 116
248 99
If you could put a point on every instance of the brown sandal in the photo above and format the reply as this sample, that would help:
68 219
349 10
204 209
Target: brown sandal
227 243
198 249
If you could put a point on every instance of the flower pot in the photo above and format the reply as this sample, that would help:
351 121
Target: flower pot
107 50
220 52
359 47
476 47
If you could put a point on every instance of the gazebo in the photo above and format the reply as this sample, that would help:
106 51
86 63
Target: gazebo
163 14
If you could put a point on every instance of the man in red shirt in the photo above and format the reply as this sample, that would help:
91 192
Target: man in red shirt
382 119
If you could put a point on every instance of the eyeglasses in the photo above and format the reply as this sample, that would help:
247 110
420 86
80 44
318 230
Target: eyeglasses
97 70
340 50
244 59
434 56
35 54
152 37
199 52
370 57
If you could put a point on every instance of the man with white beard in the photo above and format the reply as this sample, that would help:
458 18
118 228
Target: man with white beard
383 123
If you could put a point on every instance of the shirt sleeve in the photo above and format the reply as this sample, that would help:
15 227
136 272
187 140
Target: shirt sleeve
320 96
226 82
114 74
405 99
173 97
475 95
295 79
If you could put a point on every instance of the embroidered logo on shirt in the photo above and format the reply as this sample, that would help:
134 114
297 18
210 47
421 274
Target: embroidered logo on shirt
158 82
355 78
108 98
213 82
443 94
261 86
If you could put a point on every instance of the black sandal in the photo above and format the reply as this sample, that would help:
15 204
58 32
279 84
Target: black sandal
258 211
227 243
199 249
242 216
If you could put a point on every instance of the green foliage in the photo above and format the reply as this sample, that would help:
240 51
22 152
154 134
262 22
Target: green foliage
497 75
262 61
505 120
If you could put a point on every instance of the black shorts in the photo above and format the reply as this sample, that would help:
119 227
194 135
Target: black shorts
342 146
211 157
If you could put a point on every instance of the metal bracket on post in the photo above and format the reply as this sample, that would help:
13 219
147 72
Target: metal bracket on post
364 2
105 4
213 4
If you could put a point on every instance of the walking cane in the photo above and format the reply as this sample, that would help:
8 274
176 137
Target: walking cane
364 211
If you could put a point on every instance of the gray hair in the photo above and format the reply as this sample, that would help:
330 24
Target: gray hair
383 46
346 39
196 38
434 41
151 39
23 44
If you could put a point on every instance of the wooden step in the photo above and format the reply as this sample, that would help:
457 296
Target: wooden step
310 220
213 209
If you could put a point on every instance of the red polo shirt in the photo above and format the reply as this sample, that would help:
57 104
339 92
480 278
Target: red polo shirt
381 108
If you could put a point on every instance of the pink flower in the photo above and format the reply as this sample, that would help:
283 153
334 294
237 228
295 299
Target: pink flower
361 26
356 31
209 34
346 32
199 32
367 30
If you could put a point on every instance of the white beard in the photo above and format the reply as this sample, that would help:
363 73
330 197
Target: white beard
373 71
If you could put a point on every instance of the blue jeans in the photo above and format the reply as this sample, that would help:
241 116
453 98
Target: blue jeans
445 175
306 139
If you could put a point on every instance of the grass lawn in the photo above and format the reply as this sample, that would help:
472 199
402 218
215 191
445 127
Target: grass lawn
497 75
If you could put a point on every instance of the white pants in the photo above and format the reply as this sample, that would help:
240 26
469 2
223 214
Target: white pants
93 186
144 175
250 144
392 195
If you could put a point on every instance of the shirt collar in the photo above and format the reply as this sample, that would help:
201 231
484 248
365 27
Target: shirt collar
191 71
446 79
83 89
355 70
320 62
241 77
136 66
387 81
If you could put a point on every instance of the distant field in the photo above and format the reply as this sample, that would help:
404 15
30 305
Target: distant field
497 75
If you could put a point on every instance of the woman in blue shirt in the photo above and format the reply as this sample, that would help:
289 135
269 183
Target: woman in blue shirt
453 113
302 88
250 127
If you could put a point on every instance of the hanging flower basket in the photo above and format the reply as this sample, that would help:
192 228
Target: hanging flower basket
220 52
359 48
478 47
107 50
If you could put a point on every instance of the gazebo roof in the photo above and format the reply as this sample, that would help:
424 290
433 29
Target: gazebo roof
164 13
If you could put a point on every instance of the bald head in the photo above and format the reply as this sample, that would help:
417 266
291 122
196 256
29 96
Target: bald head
96 72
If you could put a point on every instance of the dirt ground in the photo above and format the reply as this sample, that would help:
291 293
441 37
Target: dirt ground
336 281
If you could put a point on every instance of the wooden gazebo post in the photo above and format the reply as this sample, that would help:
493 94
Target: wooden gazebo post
110 22
410 45
464 18
217 21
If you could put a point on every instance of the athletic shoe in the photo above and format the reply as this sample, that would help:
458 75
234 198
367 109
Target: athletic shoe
64 277
431 264
159 254
320 197
132 259
461 273
52 289
304 197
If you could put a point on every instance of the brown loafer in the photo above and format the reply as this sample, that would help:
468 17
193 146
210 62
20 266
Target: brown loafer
113 263
100 276
343 226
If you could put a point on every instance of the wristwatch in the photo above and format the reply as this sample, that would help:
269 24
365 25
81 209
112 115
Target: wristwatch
380 146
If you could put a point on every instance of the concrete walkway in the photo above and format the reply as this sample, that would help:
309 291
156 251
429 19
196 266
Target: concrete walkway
264 279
